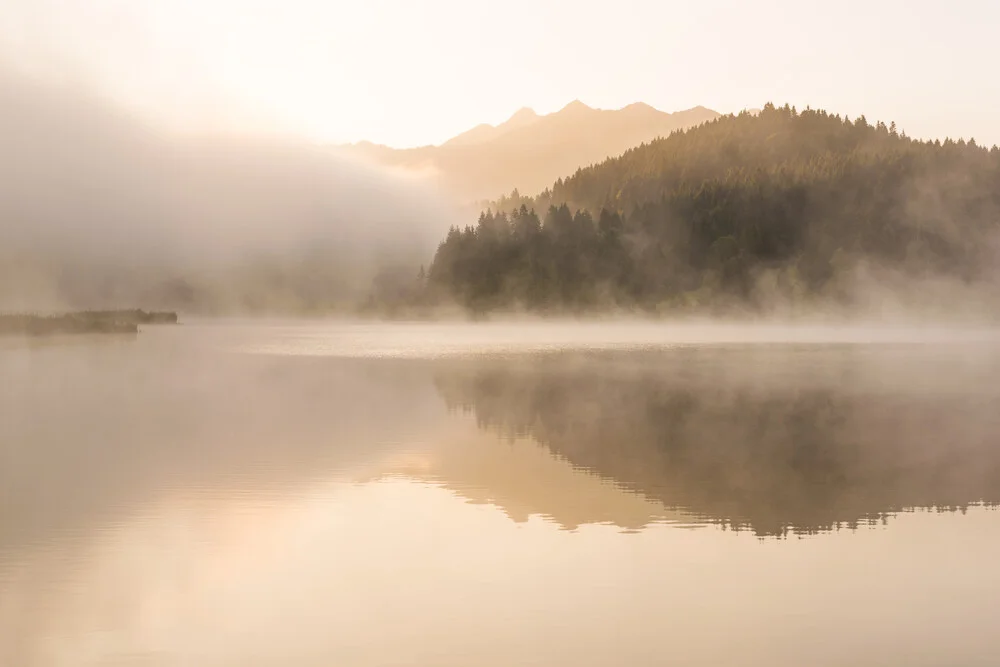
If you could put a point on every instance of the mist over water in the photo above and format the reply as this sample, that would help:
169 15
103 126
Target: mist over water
819 489
99 209
270 492
728 397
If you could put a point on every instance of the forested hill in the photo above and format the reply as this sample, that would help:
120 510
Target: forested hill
743 209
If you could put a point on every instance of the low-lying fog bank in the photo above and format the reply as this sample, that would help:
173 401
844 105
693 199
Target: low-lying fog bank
98 210
420 340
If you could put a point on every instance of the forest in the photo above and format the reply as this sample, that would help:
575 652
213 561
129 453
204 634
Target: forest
739 211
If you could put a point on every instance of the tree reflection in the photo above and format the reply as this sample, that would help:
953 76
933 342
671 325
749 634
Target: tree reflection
769 441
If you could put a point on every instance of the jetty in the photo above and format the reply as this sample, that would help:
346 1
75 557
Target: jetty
83 322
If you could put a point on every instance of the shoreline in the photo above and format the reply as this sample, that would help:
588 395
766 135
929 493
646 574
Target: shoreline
82 322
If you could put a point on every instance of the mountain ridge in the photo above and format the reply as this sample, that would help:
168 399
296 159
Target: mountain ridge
529 151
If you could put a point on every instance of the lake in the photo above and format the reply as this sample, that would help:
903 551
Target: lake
314 493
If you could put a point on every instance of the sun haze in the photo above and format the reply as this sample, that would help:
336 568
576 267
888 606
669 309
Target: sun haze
451 333
407 74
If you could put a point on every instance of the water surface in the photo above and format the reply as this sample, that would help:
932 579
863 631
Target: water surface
426 494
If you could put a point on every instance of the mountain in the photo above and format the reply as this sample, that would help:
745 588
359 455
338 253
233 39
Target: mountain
779 208
485 132
529 151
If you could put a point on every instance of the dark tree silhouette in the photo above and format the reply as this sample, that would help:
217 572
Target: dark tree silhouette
703 216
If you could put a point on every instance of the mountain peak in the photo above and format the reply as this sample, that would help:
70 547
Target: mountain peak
638 106
698 109
524 113
521 118
575 105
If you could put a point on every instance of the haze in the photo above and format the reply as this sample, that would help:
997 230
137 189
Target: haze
99 209
676 344
407 74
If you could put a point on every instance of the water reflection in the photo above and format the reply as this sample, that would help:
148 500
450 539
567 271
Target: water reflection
525 480
171 502
767 439
88 432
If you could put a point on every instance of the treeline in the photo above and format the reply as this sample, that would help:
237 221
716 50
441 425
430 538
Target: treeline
735 211
768 442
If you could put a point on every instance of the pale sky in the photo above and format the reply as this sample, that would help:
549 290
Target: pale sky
411 72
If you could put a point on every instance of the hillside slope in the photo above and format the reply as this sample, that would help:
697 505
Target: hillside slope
749 209
528 152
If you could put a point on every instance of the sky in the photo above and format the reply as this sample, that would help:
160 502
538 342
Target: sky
408 73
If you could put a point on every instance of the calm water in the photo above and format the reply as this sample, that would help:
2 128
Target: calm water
463 495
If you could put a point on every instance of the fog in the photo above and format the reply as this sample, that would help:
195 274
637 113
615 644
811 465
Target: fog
99 209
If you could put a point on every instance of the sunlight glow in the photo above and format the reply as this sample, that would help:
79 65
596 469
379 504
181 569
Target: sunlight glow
405 73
